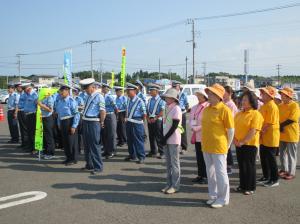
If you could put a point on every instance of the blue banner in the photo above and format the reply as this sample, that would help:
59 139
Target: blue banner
68 67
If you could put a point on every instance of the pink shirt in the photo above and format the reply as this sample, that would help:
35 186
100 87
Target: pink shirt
171 112
196 119
232 107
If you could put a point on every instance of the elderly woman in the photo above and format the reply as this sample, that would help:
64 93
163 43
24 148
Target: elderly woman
171 140
248 124
195 124
229 102
217 135
289 134
270 136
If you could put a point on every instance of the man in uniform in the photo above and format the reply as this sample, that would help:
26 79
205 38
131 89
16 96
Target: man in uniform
93 118
30 106
135 116
68 120
155 110
80 104
110 123
184 105
12 113
121 102
21 115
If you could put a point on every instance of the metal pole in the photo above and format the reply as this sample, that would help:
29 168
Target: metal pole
91 43
159 76
186 75
194 45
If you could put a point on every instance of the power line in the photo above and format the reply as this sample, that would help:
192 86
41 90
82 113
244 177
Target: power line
249 12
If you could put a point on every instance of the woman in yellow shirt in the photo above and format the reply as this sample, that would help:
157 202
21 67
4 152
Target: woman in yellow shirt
289 134
217 135
269 138
248 124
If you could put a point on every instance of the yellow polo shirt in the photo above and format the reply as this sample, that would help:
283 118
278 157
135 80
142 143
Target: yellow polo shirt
244 121
289 111
270 113
215 122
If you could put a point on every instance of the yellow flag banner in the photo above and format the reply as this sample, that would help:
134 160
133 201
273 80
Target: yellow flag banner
123 68
112 79
38 141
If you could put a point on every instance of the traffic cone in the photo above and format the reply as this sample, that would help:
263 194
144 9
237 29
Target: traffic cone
1 114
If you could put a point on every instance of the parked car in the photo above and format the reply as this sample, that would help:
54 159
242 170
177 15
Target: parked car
3 97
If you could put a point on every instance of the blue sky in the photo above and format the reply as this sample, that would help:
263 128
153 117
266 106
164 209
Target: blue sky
32 26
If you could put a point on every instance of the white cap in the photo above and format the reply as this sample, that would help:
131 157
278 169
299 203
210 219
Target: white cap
277 96
202 92
86 82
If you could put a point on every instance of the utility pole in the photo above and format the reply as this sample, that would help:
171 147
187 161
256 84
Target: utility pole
19 64
246 64
192 21
204 72
101 73
159 75
91 42
186 75
278 67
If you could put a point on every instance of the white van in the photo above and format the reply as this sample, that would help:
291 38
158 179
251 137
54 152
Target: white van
189 90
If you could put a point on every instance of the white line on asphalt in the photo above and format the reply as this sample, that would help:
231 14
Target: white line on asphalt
37 195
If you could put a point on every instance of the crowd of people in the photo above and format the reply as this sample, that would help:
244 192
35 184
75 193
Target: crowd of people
260 124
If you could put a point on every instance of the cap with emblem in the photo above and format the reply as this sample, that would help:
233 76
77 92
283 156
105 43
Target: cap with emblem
130 86
10 85
104 85
118 88
175 83
18 84
153 86
86 82
138 82
65 86
26 84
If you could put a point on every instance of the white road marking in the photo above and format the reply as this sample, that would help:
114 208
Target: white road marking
37 195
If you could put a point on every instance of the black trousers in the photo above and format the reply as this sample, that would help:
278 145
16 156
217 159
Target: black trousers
268 162
200 160
30 124
121 128
108 134
49 144
70 142
229 158
23 128
80 139
246 156
13 126
57 133
155 137
184 143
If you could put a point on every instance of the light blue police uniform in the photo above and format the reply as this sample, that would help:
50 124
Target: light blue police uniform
136 110
92 131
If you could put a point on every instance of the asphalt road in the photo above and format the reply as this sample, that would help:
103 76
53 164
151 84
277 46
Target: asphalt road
129 193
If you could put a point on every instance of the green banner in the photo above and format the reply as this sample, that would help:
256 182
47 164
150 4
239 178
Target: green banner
123 68
112 79
38 141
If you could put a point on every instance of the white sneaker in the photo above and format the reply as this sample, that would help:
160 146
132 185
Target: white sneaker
171 190
165 189
210 202
217 205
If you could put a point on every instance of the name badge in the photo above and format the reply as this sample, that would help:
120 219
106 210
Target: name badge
194 123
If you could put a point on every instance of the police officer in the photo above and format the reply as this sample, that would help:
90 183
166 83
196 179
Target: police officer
56 131
93 120
110 123
30 105
140 89
155 108
80 103
12 113
21 115
135 115
47 105
184 105
68 120
121 102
